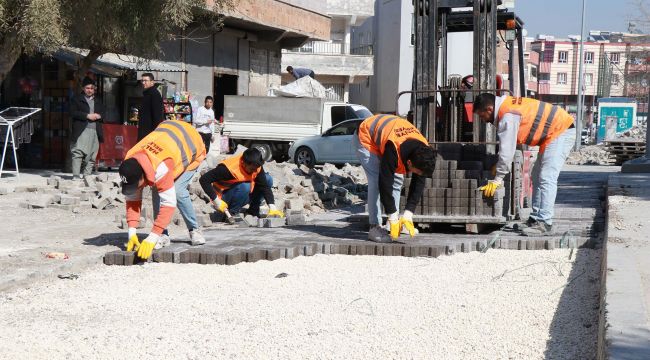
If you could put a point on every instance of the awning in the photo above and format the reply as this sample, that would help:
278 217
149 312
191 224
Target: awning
115 64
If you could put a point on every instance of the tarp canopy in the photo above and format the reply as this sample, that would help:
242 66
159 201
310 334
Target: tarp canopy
115 64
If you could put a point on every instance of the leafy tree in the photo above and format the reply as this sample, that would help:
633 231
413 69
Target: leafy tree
29 26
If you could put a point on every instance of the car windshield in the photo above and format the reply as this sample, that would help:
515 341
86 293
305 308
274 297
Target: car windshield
361 112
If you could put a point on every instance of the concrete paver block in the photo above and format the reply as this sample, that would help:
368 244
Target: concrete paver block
100 203
69 200
273 222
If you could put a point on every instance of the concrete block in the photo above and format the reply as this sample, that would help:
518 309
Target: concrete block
62 207
340 249
52 181
100 203
251 220
294 204
274 254
293 252
273 222
296 219
254 255
69 200
129 257
40 202
235 257
102 177
310 249
470 165
89 181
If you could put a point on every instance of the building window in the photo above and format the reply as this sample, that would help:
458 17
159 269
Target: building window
533 71
561 78
562 57
589 79
589 57
544 76
615 58
615 79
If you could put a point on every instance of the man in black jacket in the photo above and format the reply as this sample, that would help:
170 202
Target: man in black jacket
87 112
151 112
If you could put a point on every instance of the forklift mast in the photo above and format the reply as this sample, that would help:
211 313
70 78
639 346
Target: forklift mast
438 111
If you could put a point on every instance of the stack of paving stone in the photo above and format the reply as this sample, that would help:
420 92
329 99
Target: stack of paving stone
452 190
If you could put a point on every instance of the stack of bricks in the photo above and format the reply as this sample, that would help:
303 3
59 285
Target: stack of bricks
452 190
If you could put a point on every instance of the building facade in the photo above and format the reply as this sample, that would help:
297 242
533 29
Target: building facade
336 62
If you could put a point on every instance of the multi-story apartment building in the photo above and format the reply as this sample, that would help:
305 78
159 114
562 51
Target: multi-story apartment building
337 63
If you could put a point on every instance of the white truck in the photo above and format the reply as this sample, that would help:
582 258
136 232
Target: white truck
271 124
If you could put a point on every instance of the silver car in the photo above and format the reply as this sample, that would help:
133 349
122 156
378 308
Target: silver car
333 146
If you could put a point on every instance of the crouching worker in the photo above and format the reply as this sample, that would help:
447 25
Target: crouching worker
166 160
237 181
389 147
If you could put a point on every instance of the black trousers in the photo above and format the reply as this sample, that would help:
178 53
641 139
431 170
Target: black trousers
206 140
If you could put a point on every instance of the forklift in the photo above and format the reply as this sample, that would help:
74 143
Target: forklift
441 106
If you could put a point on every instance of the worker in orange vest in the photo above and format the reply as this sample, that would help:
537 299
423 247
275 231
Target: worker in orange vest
166 160
237 181
389 147
523 121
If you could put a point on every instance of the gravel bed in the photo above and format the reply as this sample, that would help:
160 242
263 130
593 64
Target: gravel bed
503 304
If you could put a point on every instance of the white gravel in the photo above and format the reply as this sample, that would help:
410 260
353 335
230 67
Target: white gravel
498 305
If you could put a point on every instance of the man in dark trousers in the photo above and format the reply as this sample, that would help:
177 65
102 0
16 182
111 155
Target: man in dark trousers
87 112
151 112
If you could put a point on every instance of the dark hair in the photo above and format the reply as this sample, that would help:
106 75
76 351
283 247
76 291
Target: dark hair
253 156
149 75
208 98
482 101
424 159
289 68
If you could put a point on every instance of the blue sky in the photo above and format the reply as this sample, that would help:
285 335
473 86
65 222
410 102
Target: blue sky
562 17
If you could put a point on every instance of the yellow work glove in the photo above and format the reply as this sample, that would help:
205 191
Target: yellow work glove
145 249
490 188
395 226
133 243
407 221
274 212
220 205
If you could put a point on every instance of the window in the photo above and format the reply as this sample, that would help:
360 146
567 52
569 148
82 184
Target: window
561 78
615 58
533 71
544 76
346 128
615 79
562 57
589 79
589 57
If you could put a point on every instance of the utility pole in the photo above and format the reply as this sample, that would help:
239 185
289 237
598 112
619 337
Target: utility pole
581 79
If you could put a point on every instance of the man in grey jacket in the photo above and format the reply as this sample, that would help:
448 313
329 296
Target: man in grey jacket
86 111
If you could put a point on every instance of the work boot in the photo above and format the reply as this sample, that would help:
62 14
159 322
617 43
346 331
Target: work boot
196 238
539 229
379 234
163 241
521 226
230 220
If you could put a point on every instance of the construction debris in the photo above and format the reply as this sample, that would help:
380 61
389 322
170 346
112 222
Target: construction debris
589 155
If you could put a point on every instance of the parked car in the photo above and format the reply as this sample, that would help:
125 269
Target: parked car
333 146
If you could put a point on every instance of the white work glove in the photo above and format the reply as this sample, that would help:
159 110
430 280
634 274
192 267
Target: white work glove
146 248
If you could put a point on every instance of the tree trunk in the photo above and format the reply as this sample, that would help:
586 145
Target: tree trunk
9 54
87 63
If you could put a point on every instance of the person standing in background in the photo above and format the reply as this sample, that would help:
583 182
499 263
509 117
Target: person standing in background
204 118
87 133
151 112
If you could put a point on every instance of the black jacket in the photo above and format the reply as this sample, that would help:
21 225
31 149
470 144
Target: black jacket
79 109
151 112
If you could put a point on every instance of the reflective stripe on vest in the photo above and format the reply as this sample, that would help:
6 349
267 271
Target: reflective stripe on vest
186 136
538 118
375 133
547 124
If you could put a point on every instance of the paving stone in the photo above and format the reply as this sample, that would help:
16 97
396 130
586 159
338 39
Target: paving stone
235 257
274 254
129 257
69 200
4 190
255 255
310 250
208 256
40 202
251 220
100 203
273 222
62 207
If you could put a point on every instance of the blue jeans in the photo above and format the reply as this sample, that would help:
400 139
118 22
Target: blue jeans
371 165
183 200
240 194
546 172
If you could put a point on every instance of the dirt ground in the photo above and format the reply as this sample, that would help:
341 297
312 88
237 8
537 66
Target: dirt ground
499 305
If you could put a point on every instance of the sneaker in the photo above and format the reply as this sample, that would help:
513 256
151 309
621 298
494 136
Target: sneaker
521 226
196 238
379 234
539 229
230 220
163 241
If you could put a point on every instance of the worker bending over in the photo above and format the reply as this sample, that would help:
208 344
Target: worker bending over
166 160
237 181
530 122
389 147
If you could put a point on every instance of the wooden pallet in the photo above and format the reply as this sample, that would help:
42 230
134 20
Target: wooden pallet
622 151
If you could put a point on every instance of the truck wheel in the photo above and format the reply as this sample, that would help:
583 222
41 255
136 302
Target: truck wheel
265 149
304 156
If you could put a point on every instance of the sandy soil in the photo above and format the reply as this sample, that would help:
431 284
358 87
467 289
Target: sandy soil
499 305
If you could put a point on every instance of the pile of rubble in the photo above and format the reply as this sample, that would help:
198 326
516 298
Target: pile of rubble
590 155
635 133
299 191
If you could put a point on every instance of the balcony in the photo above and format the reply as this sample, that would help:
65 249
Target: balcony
359 9
331 48
331 59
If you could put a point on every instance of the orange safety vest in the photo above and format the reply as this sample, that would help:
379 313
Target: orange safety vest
541 122
172 139
376 131
235 165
